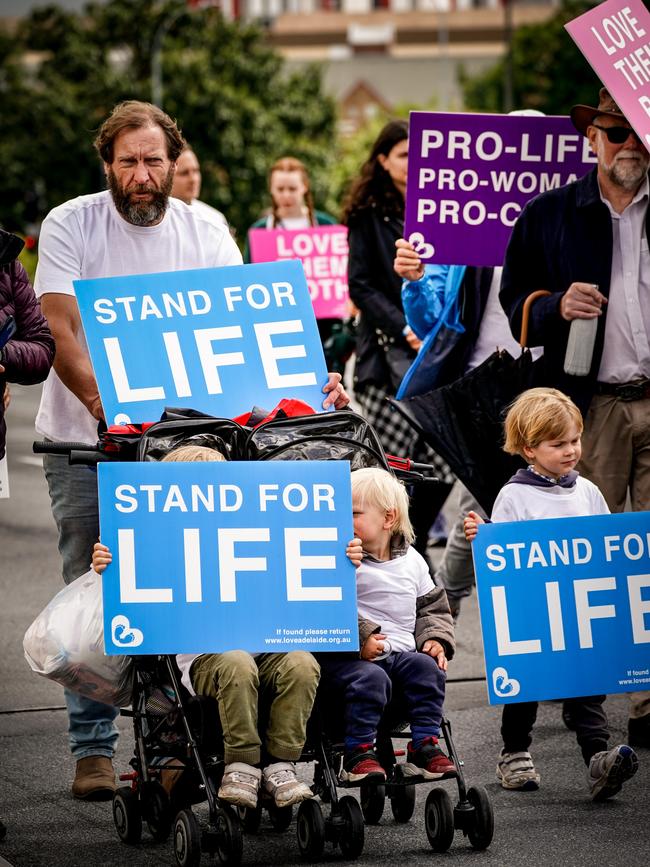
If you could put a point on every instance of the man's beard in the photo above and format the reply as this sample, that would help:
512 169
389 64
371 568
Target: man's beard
627 169
141 213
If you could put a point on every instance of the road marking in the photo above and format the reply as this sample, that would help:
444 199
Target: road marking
4 863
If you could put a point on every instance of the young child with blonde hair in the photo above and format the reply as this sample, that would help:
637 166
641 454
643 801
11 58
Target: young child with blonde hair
238 680
406 635
544 426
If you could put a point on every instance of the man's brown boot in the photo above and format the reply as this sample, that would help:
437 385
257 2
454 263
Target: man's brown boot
94 779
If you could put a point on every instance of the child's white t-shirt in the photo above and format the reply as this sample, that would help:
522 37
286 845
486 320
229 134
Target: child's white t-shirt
528 502
387 593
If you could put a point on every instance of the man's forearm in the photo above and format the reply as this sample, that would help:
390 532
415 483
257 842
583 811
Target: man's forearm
75 371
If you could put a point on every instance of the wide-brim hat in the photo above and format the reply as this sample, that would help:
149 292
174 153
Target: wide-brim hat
583 115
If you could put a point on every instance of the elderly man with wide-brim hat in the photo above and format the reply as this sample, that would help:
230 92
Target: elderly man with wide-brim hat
588 243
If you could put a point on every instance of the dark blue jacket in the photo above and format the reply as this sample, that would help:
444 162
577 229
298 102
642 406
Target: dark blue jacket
561 237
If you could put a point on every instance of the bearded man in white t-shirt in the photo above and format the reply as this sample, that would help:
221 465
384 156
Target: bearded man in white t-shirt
134 227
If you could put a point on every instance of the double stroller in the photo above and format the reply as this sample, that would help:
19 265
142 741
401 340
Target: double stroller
178 762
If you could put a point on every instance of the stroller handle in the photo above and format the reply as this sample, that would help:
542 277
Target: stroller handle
51 448
407 465
78 453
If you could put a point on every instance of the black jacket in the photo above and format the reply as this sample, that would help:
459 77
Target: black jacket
376 290
561 237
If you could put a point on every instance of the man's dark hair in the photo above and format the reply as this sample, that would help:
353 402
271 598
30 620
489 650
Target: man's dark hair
133 114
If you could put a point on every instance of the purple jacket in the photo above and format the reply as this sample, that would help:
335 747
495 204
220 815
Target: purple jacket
28 356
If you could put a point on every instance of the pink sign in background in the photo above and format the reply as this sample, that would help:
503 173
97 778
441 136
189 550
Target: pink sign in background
615 39
323 251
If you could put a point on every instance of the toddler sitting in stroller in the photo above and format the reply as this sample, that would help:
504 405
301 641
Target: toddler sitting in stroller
406 635
285 682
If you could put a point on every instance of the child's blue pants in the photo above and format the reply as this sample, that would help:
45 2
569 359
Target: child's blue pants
367 687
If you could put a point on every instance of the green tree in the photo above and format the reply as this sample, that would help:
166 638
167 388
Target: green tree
549 71
61 73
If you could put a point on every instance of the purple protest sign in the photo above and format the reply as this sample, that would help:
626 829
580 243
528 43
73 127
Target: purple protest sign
615 39
469 176
323 251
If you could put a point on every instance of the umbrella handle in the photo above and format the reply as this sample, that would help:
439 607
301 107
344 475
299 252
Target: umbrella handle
525 314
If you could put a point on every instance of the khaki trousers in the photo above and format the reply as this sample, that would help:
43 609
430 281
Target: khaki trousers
272 692
616 457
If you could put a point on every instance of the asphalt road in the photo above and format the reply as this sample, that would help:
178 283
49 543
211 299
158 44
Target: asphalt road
558 825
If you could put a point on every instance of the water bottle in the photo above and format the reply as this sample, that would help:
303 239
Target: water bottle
580 346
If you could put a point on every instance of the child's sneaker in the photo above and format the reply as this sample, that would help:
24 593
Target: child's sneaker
281 782
428 761
240 784
609 769
517 771
362 764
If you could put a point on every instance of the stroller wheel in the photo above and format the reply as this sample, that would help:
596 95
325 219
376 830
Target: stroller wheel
402 803
481 831
310 830
439 820
280 816
250 819
156 811
228 838
127 815
187 839
373 799
352 837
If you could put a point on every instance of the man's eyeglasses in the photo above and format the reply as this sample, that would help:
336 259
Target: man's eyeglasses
617 134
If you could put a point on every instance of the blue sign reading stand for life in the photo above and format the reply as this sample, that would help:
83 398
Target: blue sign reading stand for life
565 606
209 557
218 340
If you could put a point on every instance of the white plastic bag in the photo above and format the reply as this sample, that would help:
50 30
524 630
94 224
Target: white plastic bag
66 644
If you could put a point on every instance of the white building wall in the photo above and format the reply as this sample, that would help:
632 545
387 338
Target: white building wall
356 6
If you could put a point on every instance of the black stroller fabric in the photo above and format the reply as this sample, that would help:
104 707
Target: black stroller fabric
342 435
221 434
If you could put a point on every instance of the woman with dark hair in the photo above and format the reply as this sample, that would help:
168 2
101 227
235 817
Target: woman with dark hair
386 346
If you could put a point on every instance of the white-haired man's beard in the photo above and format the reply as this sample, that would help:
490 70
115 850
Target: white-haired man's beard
627 169
139 212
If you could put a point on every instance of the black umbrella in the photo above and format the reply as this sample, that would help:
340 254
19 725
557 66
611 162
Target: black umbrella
463 421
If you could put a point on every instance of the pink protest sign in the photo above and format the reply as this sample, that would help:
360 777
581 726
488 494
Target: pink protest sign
615 39
323 251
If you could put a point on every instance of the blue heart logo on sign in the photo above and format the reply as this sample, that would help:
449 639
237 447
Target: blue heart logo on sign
504 685
123 634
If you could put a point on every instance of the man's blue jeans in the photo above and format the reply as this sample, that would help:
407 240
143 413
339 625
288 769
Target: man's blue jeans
73 494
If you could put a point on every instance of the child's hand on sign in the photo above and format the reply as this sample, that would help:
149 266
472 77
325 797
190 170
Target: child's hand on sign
470 525
433 648
355 552
102 557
